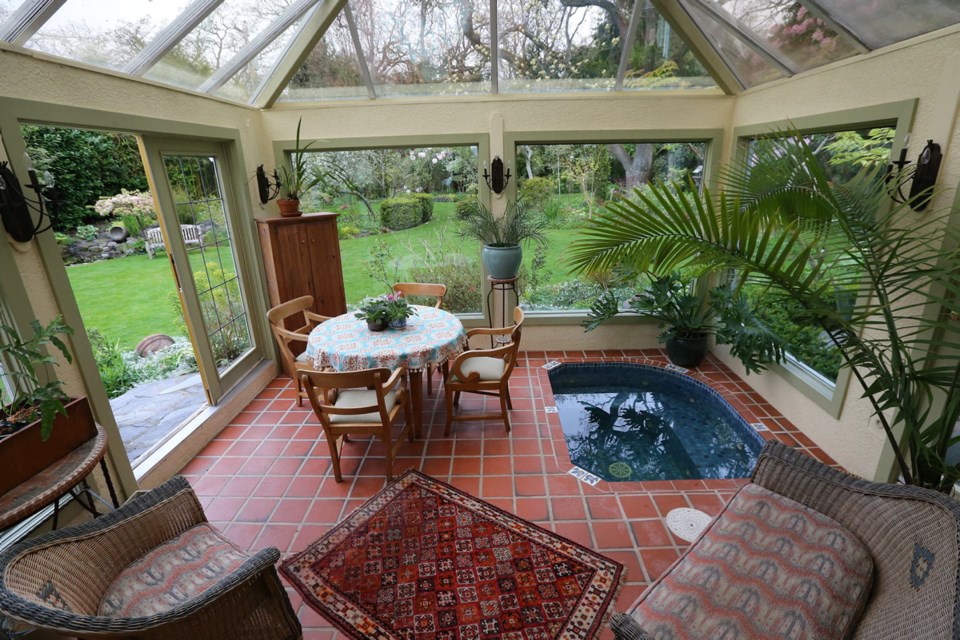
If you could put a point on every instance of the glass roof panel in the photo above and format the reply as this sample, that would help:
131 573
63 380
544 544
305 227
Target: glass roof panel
660 59
331 71
245 83
7 7
105 33
790 29
425 47
882 22
749 66
214 42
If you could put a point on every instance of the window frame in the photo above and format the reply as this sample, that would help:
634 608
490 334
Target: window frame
896 115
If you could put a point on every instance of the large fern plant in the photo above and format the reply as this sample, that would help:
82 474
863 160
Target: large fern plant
778 220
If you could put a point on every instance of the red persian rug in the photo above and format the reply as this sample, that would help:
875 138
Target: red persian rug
422 559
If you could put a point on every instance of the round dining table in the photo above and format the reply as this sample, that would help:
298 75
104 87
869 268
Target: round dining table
431 337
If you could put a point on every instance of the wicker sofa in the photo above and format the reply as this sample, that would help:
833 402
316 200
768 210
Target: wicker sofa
908 540
154 568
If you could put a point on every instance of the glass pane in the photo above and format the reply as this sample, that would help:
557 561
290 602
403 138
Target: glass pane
243 84
567 184
201 210
882 22
107 33
789 28
331 71
7 7
661 59
425 47
386 235
214 42
748 66
842 154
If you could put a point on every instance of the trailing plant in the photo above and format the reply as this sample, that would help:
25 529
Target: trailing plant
517 225
683 313
781 223
23 398
87 232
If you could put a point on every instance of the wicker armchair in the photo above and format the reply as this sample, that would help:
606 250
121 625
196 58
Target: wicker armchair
57 581
912 535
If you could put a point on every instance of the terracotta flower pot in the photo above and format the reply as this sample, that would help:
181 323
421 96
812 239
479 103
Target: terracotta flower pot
289 207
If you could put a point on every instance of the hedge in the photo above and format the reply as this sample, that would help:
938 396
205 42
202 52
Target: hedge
426 205
467 206
401 213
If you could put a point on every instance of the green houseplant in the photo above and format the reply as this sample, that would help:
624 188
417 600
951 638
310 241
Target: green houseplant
295 178
503 236
24 398
389 310
689 318
781 222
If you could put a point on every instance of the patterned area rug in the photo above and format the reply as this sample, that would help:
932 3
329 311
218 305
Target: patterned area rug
422 559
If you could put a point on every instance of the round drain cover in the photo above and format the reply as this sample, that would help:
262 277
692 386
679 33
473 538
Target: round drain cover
620 470
687 524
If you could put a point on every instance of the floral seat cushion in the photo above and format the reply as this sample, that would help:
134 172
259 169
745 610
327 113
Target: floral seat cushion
768 567
178 570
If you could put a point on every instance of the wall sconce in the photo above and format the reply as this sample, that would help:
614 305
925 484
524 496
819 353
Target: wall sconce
15 208
922 179
496 180
268 189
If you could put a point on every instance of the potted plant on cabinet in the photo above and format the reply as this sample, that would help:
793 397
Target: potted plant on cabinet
688 320
38 422
503 237
295 178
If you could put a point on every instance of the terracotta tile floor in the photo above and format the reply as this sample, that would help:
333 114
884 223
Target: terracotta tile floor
266 480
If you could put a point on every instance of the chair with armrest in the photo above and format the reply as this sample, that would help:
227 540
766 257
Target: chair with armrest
292 343
485 372
365 402
154 568
423 290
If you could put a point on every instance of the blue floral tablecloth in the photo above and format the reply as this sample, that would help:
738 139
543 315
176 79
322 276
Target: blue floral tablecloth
432 336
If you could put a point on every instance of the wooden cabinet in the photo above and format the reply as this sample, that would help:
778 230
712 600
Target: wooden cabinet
301 256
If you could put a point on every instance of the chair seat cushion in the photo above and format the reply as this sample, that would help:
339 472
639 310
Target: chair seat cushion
178 570
353 398
490 369
768 567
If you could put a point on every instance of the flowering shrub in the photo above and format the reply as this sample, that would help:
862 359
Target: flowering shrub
126 202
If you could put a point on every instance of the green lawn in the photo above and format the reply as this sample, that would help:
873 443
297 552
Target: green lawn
127 299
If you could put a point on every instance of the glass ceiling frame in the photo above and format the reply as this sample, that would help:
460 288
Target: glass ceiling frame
317 16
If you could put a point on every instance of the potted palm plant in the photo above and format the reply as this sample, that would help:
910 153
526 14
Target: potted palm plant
295 178
779 220
688 319
503 236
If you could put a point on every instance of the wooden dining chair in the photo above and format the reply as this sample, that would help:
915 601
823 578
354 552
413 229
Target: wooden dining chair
486 372
423 290
365 402
292 343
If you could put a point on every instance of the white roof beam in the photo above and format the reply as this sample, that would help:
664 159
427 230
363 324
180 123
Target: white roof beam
303 43
25 21
170 36
627 41
361 59
243 57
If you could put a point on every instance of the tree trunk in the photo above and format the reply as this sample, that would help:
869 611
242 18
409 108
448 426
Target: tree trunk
528 152
636 167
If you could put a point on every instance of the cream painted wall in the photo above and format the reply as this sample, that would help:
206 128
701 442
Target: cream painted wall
855 440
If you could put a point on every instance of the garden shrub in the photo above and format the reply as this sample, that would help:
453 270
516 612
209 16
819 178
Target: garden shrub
462 277
123 370
117 377
87 232
554 214
400 213
467 206
426 205
347 231
535 192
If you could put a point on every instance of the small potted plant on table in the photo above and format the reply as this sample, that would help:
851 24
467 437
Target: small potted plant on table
390 310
